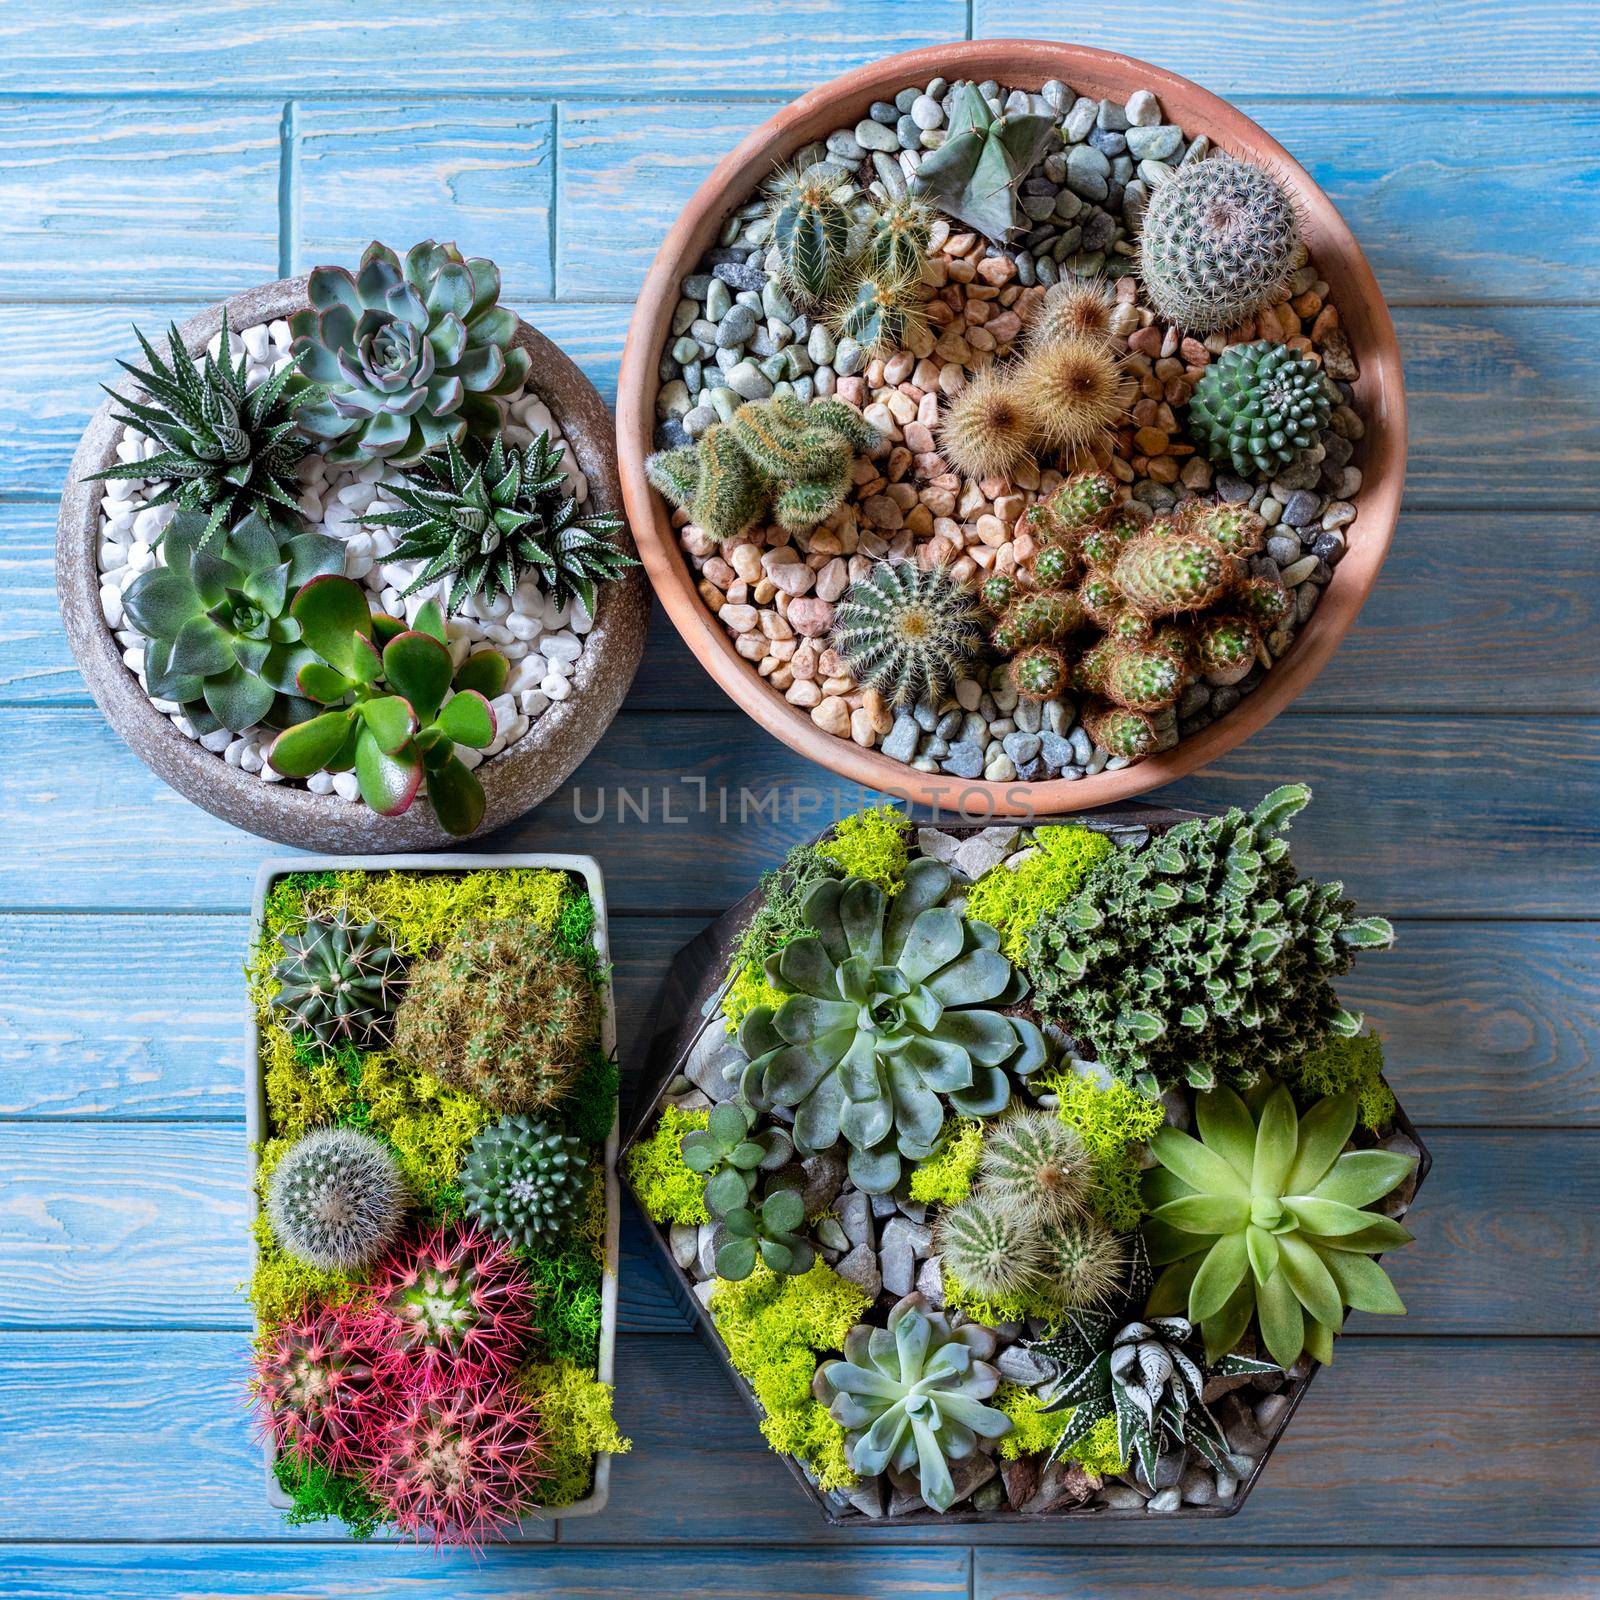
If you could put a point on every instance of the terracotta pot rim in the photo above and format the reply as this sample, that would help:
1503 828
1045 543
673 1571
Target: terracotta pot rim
1380 398
513 781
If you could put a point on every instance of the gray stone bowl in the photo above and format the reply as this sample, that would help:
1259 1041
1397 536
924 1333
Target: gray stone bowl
514 781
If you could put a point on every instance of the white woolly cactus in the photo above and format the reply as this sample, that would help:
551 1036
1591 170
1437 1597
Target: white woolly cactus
989 1244
336 1199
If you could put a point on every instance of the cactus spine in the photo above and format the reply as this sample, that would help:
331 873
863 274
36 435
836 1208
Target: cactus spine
336 1198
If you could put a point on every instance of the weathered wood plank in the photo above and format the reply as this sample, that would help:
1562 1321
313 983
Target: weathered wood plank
577 46
138 1224
145 1572
1350 47
1497 394
140 1436
1506 623
1403 816
111 198
480 173
627 170
1333 1574
1484 1024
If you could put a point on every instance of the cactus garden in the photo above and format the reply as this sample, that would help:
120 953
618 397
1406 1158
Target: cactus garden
434 1244
350 549
1065 363
1030 1170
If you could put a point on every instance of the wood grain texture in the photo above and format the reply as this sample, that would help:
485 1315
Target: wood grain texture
1499 396
627 169
1438 816
566 46
379 1572
150 198
479 173
143 1225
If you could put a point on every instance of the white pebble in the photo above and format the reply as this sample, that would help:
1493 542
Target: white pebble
217 740
346 786
468 757
320 783
504 707
515 728
533 702
520 626
149 523
256 340
556 687
561 647
235 751
581 622
111 606
250 761
133 658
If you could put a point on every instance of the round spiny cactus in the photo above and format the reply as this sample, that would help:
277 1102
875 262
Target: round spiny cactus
998 591
1084 1262
1141 679
1073 393
502 1012
315 1386
1162 573
879 308
1102 546
897 239
1239 530
1265 602
1054 567
337 978
1224 644
1083 498
1129 735
985 433
1074 308
1128 627
523 1181
336 1199
907 632
810 227
1043 617
1039 672
1258 407
1101 602
1035 1159
1218 242
990 1245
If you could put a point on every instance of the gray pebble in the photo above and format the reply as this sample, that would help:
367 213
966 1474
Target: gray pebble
1165 1500
1080 119
1108 144
741 275
1111 117
964 761
1021 747
845 146
737 328
900 743
749 382
1087 171
926 112
1302 508
1143 110
1154 144
870 135
719 300
1283 548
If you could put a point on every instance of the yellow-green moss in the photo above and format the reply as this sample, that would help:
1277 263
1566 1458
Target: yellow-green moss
1032 1427
1097 1450
1011 900
1014 1308
1343 1064
305 1088
872 844
945 1178
748 990
1113 1121
281 1286
429 1125
774 1328
575 1410
658 1174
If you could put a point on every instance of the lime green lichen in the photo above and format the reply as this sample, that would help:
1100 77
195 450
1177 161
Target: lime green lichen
1113 1120
1032 1427
1097 1450
575 1410
429 1126
1011 900
872 844
655 1169
1013 1308
281 1287
946 1177
319 1494
568 1279
749 989
306 1088
774 1328
1344 1064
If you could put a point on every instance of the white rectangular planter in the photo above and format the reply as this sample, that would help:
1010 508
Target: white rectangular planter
585 867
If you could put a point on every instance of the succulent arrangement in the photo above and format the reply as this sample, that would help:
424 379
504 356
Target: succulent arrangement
280 552
428 1273
1026 1169
1013 290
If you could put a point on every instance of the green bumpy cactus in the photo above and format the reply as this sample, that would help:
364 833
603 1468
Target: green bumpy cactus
1259 407
523 1181
1130 735
409 354
1039 672
810 225
780 456
337 979
975 174
989 1244
893 1002
897 238
1202 958
907 632
1162 572
1218 242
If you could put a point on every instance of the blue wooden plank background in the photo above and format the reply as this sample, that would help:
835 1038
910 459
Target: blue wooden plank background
158 155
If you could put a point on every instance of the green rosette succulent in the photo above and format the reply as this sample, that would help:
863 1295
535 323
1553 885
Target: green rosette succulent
911 1396
974 175
1264 1215
389 717
892 1003
217 619
409 354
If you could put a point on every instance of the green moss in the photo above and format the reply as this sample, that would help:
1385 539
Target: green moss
656 1171
779 918
429 1126
748 990
1113 1120
281 1287
589 1111
575 1410
873 844
305 1088
320 1494
1011 900
1014 1308
945 1178
1033 1429
1097 1450
774 1328
1343 1064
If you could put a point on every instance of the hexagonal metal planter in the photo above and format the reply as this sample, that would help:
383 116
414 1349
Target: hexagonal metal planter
687 1007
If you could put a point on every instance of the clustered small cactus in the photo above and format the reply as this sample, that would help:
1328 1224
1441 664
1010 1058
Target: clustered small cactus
908 631
336 1199
782 458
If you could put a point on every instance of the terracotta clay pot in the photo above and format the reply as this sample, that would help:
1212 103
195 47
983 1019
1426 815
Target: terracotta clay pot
1025 63
513 781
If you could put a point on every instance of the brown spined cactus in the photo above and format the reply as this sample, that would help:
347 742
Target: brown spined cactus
1131 735
1141 679
1239 530
1072 309
1225 644
1165 573
502 1012
1083 498
1101 602
985 432
1265 602
1073 392
1039 672
1043 617
1054 567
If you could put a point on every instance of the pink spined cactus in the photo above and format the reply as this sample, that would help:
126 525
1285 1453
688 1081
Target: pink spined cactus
461 1465
318 1385
449 1309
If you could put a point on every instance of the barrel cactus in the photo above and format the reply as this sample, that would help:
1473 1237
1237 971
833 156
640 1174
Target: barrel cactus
338 979
336 1199
908 632
316 1387
910 1396
409 353
523 1181
1259 407
975 174
892 1003
810 224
